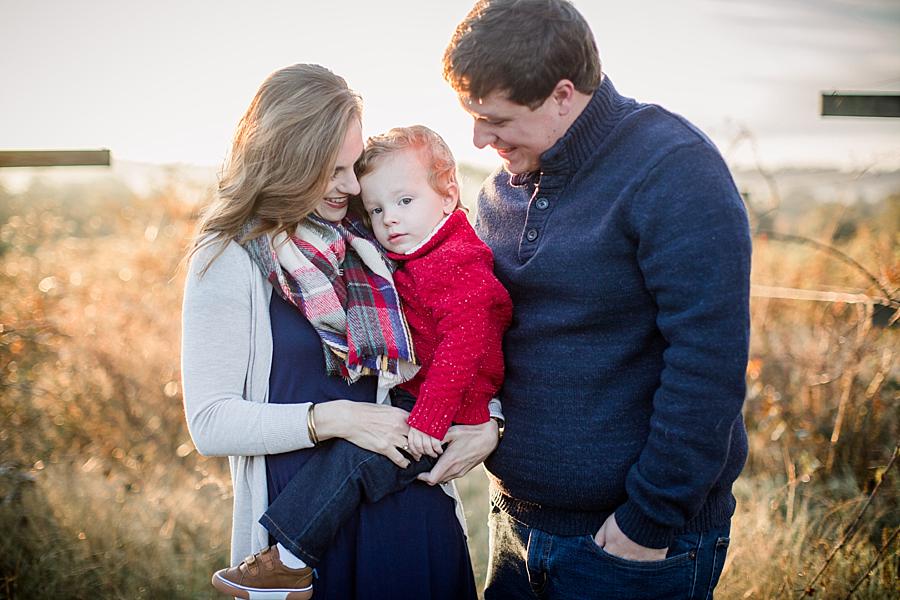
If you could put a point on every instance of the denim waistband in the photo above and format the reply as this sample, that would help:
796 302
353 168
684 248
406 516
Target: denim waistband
716 512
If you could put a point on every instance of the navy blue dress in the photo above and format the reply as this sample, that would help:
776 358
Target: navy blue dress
407 546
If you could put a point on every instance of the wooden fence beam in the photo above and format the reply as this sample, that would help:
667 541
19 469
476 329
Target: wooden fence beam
54 158
840 104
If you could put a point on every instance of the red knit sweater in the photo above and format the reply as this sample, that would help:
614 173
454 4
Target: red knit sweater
457 312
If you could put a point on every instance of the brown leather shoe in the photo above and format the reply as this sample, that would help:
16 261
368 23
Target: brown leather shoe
263 575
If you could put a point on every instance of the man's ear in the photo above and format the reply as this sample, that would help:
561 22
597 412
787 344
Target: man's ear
564 94
451 197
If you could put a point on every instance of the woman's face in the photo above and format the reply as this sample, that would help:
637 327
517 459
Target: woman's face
333 205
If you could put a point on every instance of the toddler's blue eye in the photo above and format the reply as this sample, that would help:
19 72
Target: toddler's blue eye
376 211
406 200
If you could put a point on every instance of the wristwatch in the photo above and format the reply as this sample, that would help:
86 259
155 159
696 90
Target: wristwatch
501 425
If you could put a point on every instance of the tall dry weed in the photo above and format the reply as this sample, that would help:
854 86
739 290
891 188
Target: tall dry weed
102 494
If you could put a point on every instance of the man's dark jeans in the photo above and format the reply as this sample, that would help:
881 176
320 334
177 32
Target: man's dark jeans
329 488
527 563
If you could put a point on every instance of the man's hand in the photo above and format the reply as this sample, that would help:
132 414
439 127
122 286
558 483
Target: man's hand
466 446
614 542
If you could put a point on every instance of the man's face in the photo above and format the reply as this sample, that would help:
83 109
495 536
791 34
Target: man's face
519 134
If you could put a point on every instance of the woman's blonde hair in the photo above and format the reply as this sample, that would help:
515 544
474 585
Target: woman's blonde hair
283 155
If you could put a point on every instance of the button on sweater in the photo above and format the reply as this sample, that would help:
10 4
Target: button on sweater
457 313
627 257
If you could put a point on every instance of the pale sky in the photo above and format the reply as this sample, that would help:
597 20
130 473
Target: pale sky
166 81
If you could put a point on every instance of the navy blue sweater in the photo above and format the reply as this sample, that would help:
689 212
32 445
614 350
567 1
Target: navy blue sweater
628 261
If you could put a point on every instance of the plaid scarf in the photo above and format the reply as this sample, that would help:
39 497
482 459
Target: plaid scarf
339 280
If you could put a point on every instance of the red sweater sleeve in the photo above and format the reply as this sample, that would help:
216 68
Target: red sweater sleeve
471 310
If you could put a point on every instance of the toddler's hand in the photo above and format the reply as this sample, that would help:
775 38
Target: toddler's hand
421 443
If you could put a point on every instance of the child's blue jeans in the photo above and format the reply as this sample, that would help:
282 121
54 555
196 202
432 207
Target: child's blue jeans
329 488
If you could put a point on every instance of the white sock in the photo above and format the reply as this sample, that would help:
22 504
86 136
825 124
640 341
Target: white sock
287 557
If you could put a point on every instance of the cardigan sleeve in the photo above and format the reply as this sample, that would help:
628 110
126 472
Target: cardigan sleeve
220 344
693 250
460 290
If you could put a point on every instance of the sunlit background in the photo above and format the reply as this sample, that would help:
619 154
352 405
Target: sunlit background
166 81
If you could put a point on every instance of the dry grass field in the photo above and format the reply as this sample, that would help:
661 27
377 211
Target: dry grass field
102 494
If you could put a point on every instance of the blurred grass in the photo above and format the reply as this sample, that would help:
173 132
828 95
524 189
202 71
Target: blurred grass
102 494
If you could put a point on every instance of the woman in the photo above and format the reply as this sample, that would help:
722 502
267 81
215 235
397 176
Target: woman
257 357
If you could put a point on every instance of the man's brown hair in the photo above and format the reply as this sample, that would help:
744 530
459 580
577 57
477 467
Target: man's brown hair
522 48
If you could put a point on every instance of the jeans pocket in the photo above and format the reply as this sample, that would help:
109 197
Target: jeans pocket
719 554
643 565
671 577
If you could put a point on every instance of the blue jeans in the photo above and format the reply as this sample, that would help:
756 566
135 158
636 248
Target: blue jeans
329 488
530 563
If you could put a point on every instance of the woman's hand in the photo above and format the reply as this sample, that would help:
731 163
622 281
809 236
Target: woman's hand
467 446
421 443
375 427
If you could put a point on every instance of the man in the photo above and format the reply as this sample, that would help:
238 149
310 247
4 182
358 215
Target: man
618 231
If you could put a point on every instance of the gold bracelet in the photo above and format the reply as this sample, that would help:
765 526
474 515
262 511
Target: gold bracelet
311 425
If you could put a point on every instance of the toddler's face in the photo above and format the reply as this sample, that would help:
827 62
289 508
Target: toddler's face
403 206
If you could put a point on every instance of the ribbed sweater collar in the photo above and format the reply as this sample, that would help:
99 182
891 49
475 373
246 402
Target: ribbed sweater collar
443 230
603 112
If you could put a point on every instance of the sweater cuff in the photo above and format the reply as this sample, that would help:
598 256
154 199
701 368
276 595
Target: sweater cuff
473 414
283 427
641 529
495 409
433 420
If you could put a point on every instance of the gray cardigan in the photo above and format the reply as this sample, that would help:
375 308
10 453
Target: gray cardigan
226 356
